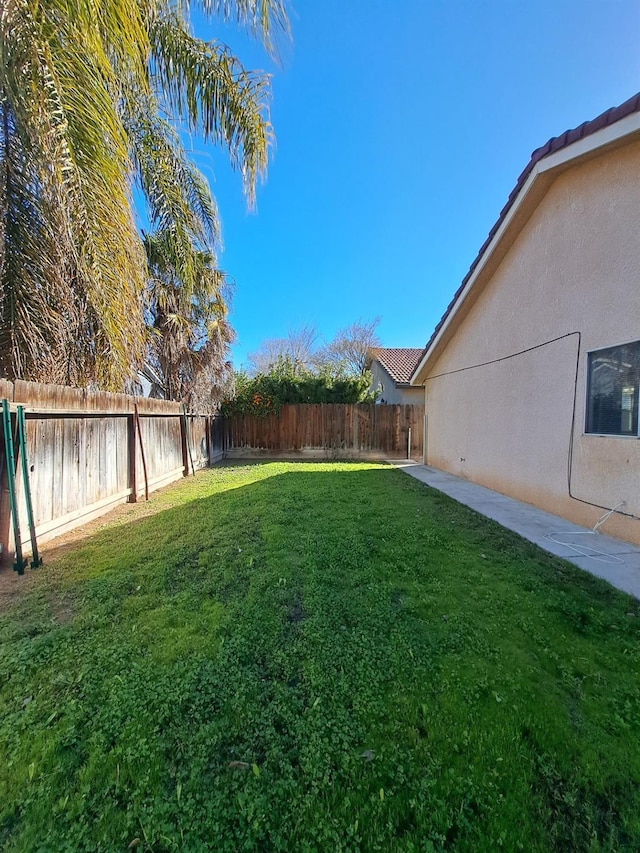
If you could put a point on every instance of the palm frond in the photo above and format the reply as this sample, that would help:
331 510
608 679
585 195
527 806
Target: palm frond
177 194
88 93
265 19
65 153
190 346
207 87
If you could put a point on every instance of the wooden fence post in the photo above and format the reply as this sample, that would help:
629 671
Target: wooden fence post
355 418
396 427
133 466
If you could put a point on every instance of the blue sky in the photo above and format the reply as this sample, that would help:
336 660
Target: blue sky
402 126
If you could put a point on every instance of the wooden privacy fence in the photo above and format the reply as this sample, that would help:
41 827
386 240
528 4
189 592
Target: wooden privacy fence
88 451
328 430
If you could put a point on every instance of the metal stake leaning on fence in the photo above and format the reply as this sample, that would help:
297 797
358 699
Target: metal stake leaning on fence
136 417
186 432
10 465
36 560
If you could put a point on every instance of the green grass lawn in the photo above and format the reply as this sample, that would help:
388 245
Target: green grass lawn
316 657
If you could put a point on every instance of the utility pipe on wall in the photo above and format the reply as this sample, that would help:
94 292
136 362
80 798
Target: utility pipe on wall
409 445
424 440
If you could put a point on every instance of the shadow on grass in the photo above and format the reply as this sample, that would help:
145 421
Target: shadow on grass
169 535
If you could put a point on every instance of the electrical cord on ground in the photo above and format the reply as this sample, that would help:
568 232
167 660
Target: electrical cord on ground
587 550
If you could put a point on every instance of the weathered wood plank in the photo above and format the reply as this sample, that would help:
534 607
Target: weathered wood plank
353 430
6 390
132 453
82 455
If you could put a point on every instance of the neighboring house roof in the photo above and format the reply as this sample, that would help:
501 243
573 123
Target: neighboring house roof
399 363
157 388
554 145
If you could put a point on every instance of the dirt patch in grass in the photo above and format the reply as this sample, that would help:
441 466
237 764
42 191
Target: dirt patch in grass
13 585
62 609
295 613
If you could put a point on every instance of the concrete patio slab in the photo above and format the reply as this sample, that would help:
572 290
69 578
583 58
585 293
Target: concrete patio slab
611 559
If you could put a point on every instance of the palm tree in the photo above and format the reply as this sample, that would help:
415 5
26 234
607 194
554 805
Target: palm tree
190 334
71 265
90 94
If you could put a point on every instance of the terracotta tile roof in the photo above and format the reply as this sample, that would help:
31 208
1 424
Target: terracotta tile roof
399 363
554 144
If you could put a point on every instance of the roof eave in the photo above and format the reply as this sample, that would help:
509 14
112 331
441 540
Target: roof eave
540 177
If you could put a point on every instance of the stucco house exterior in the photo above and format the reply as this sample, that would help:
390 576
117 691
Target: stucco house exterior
391 371
532 376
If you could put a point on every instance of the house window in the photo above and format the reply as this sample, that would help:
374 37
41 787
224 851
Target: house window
613 390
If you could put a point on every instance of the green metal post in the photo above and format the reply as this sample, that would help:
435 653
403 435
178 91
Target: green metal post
22 438
10 459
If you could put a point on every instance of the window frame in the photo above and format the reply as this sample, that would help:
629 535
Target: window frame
633 436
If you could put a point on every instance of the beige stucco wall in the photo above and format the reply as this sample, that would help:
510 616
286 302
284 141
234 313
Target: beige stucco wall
390 392
575 267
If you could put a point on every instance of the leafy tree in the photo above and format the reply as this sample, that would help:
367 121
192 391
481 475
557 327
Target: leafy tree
90 91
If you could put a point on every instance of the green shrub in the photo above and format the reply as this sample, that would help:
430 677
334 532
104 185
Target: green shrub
264 394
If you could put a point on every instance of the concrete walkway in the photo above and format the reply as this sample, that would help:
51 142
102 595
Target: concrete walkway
616 561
